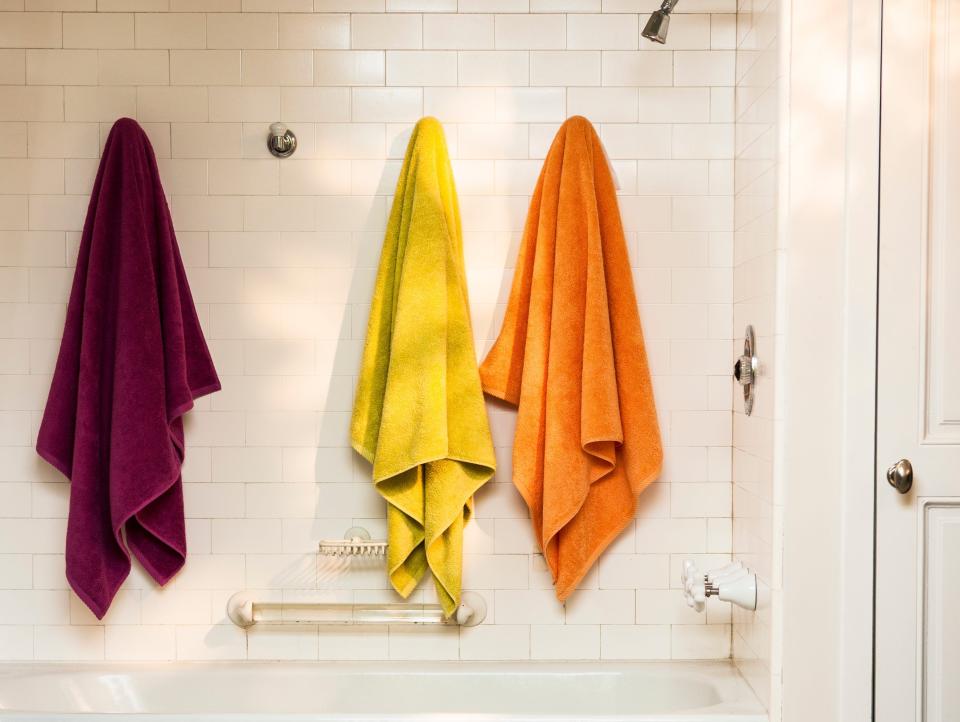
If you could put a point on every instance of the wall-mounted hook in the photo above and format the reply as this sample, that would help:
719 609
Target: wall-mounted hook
281 141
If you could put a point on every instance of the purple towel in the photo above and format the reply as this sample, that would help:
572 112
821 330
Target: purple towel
132 360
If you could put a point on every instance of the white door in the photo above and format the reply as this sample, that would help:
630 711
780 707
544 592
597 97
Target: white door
918 377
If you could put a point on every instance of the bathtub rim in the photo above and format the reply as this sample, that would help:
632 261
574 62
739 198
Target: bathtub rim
735 692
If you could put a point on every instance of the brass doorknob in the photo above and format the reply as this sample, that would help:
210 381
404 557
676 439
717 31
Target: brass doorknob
900 476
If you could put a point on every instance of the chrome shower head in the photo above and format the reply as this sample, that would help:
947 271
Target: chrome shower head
659 22
657 27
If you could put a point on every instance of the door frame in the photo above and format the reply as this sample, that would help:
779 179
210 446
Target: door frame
830 141
860 429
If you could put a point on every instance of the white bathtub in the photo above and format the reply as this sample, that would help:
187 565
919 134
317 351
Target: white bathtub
374 692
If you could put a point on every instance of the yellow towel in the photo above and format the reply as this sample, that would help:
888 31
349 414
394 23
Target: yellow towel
419 414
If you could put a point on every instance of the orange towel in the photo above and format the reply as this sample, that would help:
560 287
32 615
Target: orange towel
570 356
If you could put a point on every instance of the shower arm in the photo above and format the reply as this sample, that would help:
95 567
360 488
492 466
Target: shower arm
667 6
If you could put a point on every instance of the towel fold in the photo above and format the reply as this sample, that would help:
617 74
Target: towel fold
571 357
419 414
132 360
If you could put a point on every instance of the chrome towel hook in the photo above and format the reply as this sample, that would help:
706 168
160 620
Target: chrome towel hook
281 142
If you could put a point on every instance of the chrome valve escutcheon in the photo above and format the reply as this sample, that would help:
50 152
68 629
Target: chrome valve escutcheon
745 370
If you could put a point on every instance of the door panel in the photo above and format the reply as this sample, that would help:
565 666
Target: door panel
941 629
941 269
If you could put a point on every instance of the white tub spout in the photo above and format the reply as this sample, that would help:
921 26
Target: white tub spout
733 583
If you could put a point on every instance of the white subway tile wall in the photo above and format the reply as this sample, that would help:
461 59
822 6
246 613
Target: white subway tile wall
759 256
281 257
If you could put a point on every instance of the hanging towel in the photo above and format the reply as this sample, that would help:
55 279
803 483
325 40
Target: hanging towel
571 357
419 414
131 362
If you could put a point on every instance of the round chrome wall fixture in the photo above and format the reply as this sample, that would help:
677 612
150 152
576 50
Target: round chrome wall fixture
745 370
281 141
